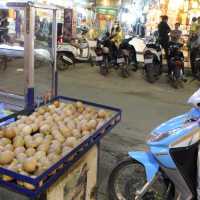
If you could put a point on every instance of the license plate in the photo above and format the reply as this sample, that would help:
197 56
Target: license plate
99 58
148 61
120 60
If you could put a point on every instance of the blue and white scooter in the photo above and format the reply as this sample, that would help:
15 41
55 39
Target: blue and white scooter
168 169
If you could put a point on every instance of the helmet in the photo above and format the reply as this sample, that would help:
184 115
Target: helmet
84 29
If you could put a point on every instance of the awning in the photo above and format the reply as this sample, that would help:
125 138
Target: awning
3 5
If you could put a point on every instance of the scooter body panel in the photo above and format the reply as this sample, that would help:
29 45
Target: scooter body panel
175 129
179 133
148 161
154 52
87 52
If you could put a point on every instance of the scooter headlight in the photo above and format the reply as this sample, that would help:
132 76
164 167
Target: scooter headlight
157 137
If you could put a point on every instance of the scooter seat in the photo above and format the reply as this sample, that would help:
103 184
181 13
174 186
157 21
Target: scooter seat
83 45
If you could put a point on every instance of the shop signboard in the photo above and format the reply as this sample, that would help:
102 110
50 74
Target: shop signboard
107 11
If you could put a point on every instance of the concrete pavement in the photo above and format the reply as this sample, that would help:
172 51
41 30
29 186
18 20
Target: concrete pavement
144 106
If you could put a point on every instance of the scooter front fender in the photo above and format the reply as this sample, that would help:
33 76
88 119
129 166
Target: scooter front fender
67 59
148 161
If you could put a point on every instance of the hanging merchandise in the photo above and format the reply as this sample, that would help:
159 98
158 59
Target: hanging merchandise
68 22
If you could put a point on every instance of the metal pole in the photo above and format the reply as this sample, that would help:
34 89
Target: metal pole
54 54
29 55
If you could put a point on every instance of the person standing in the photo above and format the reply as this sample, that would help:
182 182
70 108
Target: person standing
193 48
116 39
164 30
193 27
176 34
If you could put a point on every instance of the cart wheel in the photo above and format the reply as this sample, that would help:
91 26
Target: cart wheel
62 64
38 63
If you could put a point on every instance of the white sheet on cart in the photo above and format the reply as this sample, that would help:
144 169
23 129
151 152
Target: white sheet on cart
18 52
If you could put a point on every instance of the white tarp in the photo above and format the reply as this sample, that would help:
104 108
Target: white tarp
18 52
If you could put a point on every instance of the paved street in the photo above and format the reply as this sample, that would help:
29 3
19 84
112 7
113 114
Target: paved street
144 106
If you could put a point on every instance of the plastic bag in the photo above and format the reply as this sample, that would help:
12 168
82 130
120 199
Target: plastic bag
4 113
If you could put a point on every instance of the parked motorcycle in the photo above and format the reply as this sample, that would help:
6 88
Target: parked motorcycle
152 61
126 60
78 50
106 52
176 62
168 169
102 57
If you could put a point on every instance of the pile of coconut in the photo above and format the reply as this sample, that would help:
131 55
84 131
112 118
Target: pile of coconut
32 144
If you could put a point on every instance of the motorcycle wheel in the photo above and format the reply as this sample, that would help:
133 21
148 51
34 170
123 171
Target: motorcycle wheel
150 74
135 68
176 79
104 68
124 71
128 177
61 64
91 60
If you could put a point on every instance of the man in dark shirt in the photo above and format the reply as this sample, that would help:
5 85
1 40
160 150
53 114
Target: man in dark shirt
164 30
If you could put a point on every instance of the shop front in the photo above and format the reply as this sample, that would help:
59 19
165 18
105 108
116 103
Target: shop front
106 16
181 11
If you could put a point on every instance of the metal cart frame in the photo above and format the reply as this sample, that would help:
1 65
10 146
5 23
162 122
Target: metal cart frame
29 33
50 176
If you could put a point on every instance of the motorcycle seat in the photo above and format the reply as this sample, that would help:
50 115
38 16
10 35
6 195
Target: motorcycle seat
125 52
83 45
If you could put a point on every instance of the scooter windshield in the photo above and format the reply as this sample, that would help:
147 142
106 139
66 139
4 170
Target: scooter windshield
195 99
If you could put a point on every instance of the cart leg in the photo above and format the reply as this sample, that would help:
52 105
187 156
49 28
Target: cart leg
40 197
5 61
98 171
1 63
79 182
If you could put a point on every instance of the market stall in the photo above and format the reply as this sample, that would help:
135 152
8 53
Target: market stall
49 150
19 91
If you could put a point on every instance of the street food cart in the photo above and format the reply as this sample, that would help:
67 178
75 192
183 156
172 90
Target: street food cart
74 174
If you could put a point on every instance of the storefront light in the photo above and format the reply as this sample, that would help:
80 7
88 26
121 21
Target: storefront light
146 9
162 1
195 4
105 2
69 3
81 10
176 5
3 5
